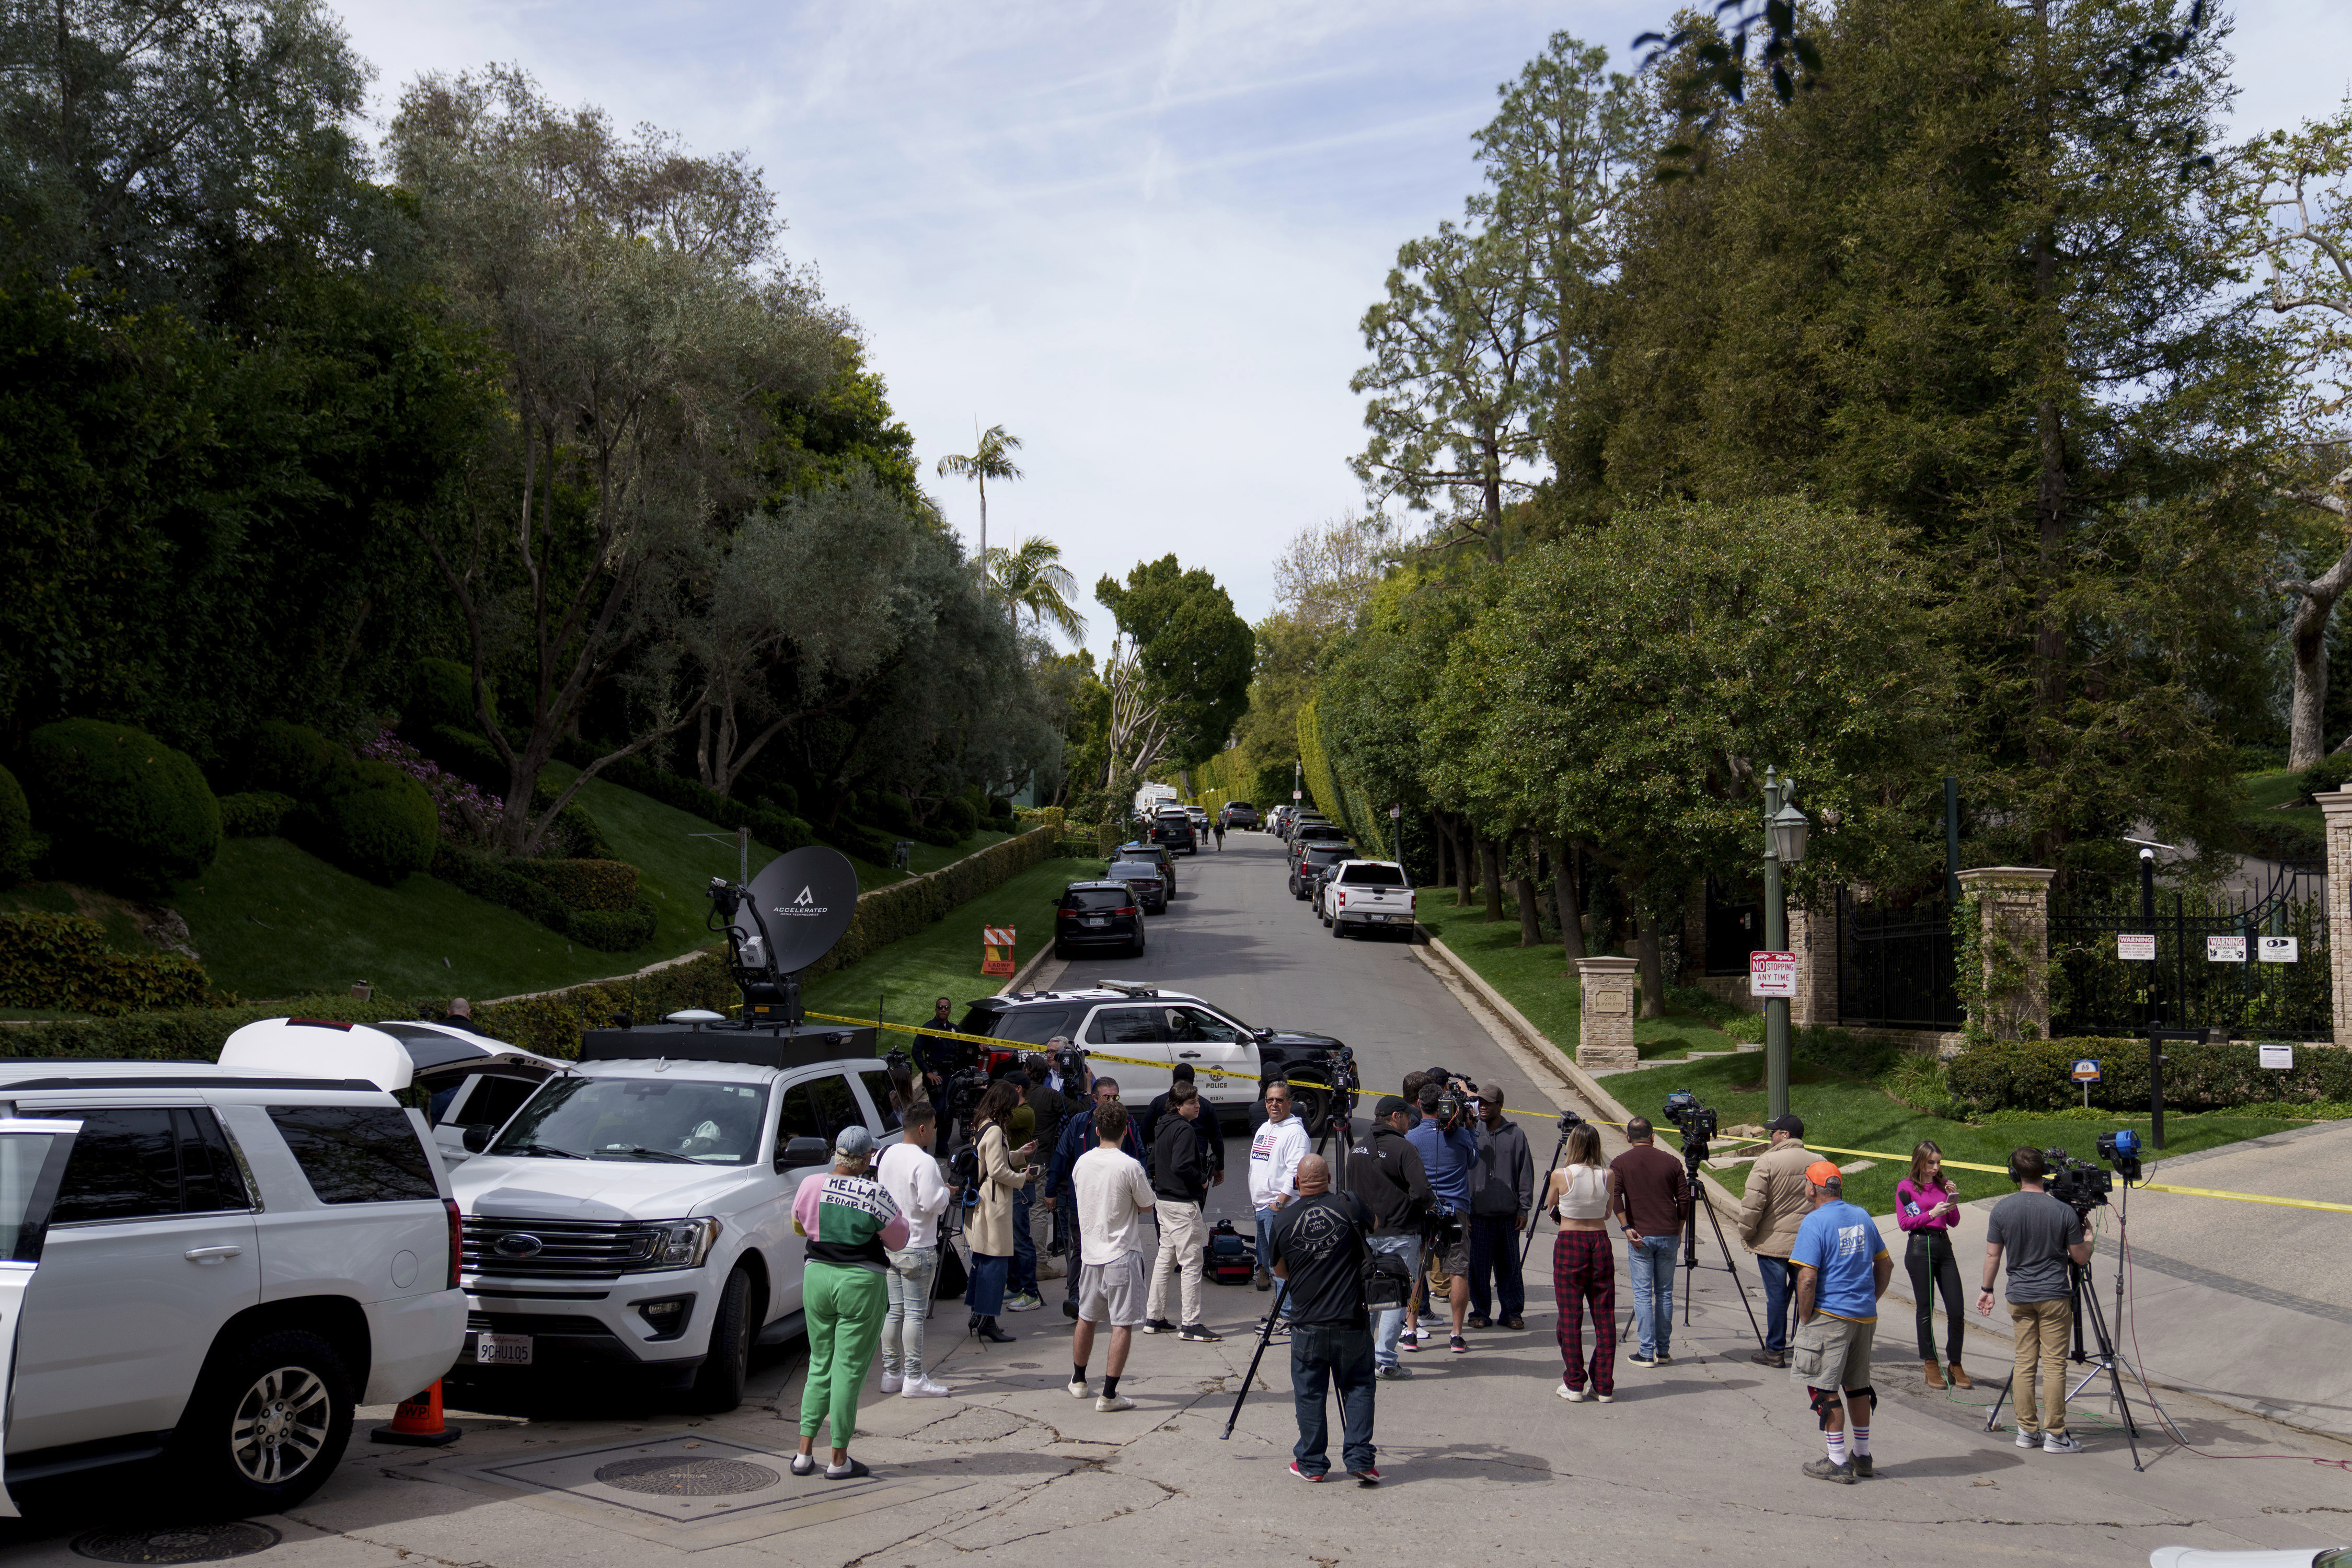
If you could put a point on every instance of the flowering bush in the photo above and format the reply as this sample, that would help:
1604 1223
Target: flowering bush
468 814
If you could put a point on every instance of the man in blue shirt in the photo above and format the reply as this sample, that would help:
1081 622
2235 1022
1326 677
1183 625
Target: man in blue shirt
1842 1268
1449 1153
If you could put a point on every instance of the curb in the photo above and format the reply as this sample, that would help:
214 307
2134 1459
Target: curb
1548 1052
1026 971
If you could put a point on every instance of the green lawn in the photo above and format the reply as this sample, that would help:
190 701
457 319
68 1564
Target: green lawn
2301 831
944 960
1841 1109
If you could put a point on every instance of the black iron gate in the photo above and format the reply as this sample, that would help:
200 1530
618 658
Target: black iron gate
1735 925
2207 969
1894 965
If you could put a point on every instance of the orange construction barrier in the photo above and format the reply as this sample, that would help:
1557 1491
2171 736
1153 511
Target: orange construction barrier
417 1423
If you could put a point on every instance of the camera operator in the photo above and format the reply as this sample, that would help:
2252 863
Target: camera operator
1449 1153
2040 1236
1842 1268
1777 1200
1385 1172
1651 1197
1500 1200
1077 1138
1318 1251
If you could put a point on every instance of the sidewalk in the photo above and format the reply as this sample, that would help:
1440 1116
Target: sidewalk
2247 1304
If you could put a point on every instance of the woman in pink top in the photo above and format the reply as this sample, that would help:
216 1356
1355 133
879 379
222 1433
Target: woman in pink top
1927 1205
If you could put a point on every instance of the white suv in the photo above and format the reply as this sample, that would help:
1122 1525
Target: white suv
234 1259
635 1216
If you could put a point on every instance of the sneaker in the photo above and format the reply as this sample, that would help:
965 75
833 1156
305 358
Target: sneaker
1821 1470
1050 1270
1157 1326
892 1382
1459 1345
1604 1399
1264 1280
2060 1442
1110 1402
1642 1358
1514 1323
1302 1475
1661 1359
1861 1467
1078 1388
1573 1396
2026 1439
851 1471
1199 1334
923 1388
1070 1310
1479 1320
1366 1477
1392 1373
803 1464
1024 1303
1409 1341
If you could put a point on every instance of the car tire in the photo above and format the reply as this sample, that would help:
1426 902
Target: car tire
1312 1107
266 1424
1338 928
718 1383
1060 950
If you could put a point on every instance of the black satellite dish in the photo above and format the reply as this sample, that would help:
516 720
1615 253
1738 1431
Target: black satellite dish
805 899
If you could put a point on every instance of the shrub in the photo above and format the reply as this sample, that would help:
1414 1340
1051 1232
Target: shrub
289 759
256 813
893 814
378 821
958 814
468 755
1746 1027
2330 773
15 830
120 808
62 962
441 691
518 886
460 807
2036 1075
613 930
584 884
494 880
779 829
575 835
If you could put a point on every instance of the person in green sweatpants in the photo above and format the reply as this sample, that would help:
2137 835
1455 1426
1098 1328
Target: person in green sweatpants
851 1223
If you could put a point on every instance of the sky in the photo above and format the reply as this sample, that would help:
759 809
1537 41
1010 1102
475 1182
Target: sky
1139 235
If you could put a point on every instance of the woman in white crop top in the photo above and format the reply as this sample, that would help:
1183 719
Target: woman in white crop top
1584 1268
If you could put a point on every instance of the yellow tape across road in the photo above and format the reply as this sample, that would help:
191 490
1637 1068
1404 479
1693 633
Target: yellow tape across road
1095 1056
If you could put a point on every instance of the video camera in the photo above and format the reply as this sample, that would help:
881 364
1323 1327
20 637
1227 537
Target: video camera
2079 1185
1695 1122
1070 1061
1454 1094
961 1094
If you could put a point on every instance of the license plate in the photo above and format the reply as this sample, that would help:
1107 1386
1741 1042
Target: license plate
502 1350
1097 920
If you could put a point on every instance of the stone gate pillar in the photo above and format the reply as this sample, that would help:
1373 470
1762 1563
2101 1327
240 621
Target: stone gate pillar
2336 806
2013 948
1604 1023
1812 937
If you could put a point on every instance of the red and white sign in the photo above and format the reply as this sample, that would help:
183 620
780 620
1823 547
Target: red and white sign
996 950
2136 946
1771 973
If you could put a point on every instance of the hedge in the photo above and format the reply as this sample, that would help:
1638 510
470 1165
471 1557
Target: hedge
120 808
441 691
289 759
255 813
779 829
378 821
507 882
2036 1075
15 830
601 884
886 914
62 962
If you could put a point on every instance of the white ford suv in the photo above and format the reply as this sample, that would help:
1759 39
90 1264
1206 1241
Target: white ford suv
635 1217
234 1257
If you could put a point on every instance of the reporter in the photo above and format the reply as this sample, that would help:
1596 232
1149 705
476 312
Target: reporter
1928 1208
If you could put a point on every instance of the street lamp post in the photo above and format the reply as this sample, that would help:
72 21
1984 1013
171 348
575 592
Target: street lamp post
1784 845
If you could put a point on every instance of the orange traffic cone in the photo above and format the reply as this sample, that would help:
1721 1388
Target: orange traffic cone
417 1423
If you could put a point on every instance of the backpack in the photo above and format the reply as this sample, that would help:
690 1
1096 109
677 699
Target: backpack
1388 1281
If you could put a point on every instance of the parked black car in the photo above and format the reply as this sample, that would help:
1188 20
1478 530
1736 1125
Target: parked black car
1150 883
1314 859
1097 915
1240 813
1137 849
1173 830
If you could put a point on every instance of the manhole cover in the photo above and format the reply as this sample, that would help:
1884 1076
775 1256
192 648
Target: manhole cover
666 1475
184 1543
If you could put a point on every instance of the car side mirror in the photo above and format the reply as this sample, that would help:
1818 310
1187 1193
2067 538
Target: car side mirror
801 1152
477 1137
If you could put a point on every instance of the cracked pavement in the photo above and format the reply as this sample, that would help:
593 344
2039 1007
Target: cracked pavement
1483 1464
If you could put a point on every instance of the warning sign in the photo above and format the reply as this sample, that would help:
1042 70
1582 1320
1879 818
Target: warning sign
2139 946
2225 950
1771 973
996 950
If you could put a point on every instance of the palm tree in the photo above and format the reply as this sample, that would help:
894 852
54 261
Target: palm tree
987 461
1033 578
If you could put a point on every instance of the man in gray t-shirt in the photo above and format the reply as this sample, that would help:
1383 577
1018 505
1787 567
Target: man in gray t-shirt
2040 1236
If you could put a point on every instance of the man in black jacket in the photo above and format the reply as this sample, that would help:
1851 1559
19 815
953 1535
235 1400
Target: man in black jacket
1179 1183
1501 1192
1385 1171
1212 1135
1050 1109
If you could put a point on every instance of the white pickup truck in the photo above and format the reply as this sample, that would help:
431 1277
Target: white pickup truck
1370 895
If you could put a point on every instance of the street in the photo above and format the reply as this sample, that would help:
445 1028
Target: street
1482 1462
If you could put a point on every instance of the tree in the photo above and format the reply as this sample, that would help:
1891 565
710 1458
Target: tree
1033 578
990 458
1190 655
622 286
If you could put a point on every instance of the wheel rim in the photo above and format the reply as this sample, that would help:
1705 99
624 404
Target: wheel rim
280 1425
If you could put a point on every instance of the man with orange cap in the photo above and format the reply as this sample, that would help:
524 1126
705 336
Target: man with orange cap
1842 1268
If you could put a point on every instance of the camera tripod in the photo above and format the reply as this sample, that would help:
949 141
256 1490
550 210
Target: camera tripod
2083 1293
1694 1156
1567 1125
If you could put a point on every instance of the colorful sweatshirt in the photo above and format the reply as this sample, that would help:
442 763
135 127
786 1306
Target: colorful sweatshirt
849 1221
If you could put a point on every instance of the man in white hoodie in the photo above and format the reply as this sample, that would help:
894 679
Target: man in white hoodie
909 1173
1279 1143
